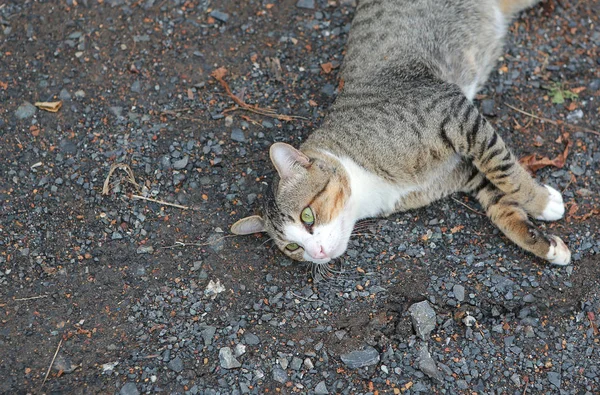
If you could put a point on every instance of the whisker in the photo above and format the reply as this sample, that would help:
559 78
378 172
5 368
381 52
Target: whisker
266 241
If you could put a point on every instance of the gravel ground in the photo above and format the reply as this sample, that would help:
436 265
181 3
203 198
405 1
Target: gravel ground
136 296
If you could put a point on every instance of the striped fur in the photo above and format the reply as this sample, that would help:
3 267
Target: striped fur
405 127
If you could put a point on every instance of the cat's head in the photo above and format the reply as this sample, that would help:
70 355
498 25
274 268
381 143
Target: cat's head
307 211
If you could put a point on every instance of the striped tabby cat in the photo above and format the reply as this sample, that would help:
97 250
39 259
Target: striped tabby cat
404 132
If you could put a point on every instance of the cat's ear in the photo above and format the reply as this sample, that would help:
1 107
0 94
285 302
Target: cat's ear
286 159
248 225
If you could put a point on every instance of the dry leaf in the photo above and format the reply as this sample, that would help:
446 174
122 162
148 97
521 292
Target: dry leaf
533 163
327 67
457 228
578 90
573 209
51 106
219 73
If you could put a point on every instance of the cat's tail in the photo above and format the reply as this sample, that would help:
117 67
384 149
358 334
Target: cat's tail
513 7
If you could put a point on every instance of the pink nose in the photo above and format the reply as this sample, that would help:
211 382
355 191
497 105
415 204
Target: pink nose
320 254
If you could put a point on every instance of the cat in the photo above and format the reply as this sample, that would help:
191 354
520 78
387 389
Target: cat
404 132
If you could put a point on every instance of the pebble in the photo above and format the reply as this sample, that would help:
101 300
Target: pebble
144 249
227 359
360 358
280 375
238 135
251 339
181 163
554 379
308 4
427 364
459 292
129 389
488 107
25 110
423 318
176 364
64 95
575 116
220 16
321 389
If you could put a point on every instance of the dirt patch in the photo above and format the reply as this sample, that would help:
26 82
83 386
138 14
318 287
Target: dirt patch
557 302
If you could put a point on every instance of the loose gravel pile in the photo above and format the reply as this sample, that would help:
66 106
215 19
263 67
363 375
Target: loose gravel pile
142 289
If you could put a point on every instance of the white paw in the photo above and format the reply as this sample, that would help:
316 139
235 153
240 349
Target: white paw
559 253
555 209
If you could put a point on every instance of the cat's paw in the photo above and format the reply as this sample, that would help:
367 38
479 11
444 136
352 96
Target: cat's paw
558 253
555 208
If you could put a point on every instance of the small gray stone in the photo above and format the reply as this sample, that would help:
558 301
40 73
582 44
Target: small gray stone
321 388
280 375
487 107
427 364
238 135
554 379
145 249
227 359
129 389
296 363
176 364
116 110
359 358
308 364
181 163
575 116
221 16
25 110
136 87
251 339
64 95
208 333
423 318
577 170
308 4
459 292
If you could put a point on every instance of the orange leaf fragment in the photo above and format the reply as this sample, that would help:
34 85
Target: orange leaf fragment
327 67
457 228
51 106
533 163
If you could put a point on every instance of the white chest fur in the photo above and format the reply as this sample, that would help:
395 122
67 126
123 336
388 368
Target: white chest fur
371 195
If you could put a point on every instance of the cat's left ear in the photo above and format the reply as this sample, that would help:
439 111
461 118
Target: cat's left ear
286 159
248 225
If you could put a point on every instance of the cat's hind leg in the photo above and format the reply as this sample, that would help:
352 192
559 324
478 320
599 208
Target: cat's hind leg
508 215
468 133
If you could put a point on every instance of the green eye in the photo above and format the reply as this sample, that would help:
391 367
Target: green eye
292 247
307 216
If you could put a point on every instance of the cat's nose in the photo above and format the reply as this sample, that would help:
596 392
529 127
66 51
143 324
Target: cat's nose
320 253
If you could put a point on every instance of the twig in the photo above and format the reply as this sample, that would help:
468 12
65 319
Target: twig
160 202
218 75
182 244
31 298
467 206
553 122
52 363
115 166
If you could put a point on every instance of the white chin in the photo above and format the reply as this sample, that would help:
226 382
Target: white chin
309 258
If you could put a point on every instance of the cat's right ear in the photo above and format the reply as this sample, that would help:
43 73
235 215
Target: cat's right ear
286 158
248 225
